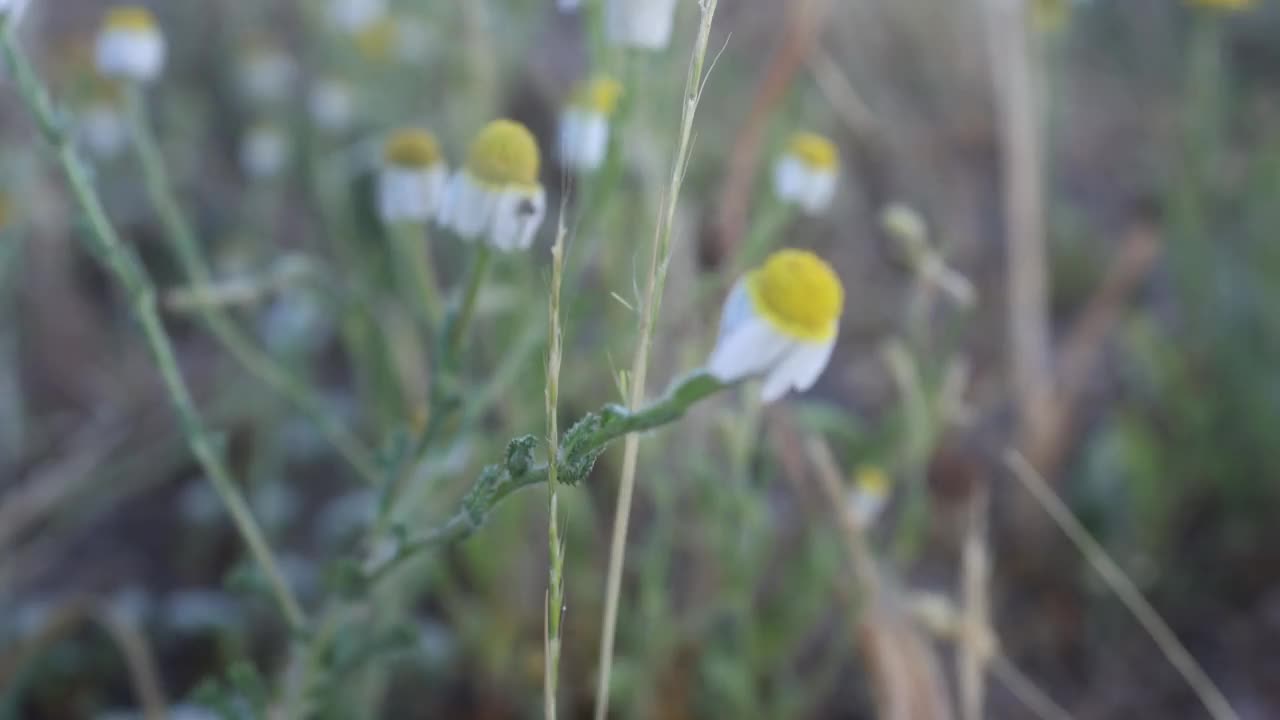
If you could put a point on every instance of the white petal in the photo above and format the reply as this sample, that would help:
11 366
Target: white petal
737 309
790 177
749 349
517 216
467 206
798 370
643 24
134 55
584 139
410 195
819 191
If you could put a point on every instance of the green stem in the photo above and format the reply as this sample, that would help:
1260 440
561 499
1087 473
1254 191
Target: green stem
414 272
160 190
118 259
581 445
461 319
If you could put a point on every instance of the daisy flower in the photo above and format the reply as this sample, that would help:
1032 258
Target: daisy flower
267 73
780 322
412 179
806 173
496 196
584 124
130 46
868 496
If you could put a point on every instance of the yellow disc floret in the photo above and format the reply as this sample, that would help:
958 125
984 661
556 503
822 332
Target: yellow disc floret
814 150
411 148
600 94
799 294
871 480
132 18
504 153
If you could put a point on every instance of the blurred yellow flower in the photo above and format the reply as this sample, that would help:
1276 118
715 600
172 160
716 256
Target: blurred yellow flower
413 177
805 174
504 153
584 124
130 46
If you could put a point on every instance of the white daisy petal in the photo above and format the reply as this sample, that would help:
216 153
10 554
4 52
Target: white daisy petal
584 139
790 177
410 194
517 215
747 350
643 24
134 55
467 207
798 370
819 192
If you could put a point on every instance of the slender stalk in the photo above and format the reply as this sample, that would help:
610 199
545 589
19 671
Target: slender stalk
414 272
658 263
555 543
124 265
461 319
1124 588
186 247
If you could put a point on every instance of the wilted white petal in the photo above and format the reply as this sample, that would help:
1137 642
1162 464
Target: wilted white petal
747 350
584 139
411 194
467 207
797 370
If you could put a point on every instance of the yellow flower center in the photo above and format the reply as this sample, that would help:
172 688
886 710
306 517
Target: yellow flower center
504 153
814 150
600 94
378 39
799 294
132 18
871 480
411 148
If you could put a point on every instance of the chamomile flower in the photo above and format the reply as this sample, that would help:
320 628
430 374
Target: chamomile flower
496 195
267 73
584 124
868 496
640 24
780 322
332 105
130 46
806 173
355 15
412 179
264 152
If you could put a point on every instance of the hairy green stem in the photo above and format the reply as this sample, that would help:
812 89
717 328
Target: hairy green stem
121 262
186 247
581 445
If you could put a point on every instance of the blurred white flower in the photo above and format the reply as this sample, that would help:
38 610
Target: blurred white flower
266 74
496 196
11 10
568 5
780 321
332 106
584 124
355 15
412 179
264 152
130 46
641 24
805 174
868 496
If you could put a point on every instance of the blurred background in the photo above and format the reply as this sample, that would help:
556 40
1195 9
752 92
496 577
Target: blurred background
1055 223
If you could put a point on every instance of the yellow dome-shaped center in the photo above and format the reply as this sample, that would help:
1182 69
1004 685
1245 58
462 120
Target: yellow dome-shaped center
814 150
504 153
799 294
601 94
133 18
411 148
